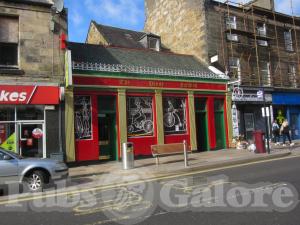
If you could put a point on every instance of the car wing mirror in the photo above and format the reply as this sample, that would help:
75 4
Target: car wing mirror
7 157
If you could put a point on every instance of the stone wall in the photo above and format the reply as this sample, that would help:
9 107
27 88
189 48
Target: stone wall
94 36
40 57
181 25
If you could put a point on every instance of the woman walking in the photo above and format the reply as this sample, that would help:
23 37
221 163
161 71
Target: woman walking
285 131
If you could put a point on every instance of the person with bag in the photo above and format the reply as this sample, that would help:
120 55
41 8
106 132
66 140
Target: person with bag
285 131
275 131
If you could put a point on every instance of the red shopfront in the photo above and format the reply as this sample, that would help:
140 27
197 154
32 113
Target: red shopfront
25 119
154 111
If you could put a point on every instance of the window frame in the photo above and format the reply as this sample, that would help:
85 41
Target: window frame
292 75
237 66
231 23
261 33
288 42
268 70
16 66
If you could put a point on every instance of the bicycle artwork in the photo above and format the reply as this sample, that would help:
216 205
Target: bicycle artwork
83 121
174 115
140 116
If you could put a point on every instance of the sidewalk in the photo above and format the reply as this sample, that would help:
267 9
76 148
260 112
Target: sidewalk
172 165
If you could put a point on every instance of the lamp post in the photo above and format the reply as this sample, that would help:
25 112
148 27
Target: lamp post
266 119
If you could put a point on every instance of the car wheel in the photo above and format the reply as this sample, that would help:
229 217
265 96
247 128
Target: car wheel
35 181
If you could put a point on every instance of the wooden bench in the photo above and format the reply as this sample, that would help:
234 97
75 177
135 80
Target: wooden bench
170 149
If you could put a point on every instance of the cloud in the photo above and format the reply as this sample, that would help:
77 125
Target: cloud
118 11
76 17
283 6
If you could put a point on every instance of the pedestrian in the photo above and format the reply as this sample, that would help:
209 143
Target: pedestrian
275 131
285 131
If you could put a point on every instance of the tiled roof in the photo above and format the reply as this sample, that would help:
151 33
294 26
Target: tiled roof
120 37
123 37
98 54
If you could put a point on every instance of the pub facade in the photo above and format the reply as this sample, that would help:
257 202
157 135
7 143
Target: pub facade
144 97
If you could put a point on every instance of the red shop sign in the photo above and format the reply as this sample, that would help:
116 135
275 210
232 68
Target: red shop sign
24 95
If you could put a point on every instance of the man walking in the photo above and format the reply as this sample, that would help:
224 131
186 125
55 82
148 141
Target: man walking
275 131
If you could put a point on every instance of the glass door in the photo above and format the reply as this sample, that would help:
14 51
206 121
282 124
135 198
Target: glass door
31 140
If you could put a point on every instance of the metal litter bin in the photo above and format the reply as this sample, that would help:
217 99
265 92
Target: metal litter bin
127 156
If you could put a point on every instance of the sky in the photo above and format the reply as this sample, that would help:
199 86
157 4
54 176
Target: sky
127 14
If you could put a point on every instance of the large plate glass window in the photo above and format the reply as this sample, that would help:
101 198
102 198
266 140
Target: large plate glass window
139 116
174 115
83 117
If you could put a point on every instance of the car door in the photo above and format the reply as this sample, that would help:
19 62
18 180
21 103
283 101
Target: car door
8 169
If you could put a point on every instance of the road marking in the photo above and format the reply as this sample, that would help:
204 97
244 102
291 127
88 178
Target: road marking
58 194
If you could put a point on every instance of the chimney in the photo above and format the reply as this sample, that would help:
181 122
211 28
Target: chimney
266 4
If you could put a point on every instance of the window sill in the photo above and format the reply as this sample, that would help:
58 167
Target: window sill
11 71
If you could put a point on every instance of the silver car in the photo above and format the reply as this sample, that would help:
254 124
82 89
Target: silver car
33 173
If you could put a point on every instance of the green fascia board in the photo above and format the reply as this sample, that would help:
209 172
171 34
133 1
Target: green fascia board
143 76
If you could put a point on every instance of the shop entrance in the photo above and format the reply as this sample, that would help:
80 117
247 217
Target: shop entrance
201 124
107 128
31 140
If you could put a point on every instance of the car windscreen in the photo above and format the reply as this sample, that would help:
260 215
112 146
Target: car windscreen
13 154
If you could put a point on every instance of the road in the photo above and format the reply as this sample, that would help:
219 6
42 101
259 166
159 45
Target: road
226 196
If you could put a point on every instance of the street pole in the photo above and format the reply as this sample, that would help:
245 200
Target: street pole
266 119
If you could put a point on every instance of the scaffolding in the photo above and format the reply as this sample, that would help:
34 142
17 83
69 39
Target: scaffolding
263 56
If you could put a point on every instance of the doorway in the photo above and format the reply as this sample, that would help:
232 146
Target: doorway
31 138
201 124
220 124
107 128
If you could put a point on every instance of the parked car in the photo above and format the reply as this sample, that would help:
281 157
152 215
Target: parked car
34 173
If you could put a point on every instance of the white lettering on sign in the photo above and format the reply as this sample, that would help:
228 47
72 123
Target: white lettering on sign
6 96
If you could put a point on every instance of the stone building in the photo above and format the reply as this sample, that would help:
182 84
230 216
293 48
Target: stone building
253 43
31 77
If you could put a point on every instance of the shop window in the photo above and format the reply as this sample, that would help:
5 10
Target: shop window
218 104
174 115
288 41
30 112
83 117
139 116
8 136
7 113
200 104
9 39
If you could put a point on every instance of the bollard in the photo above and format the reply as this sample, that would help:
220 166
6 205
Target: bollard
186 163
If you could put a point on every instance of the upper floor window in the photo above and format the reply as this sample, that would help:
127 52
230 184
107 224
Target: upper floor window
265 73
231 24
262 32
292 75
288 41
154 43
235 67
9 41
